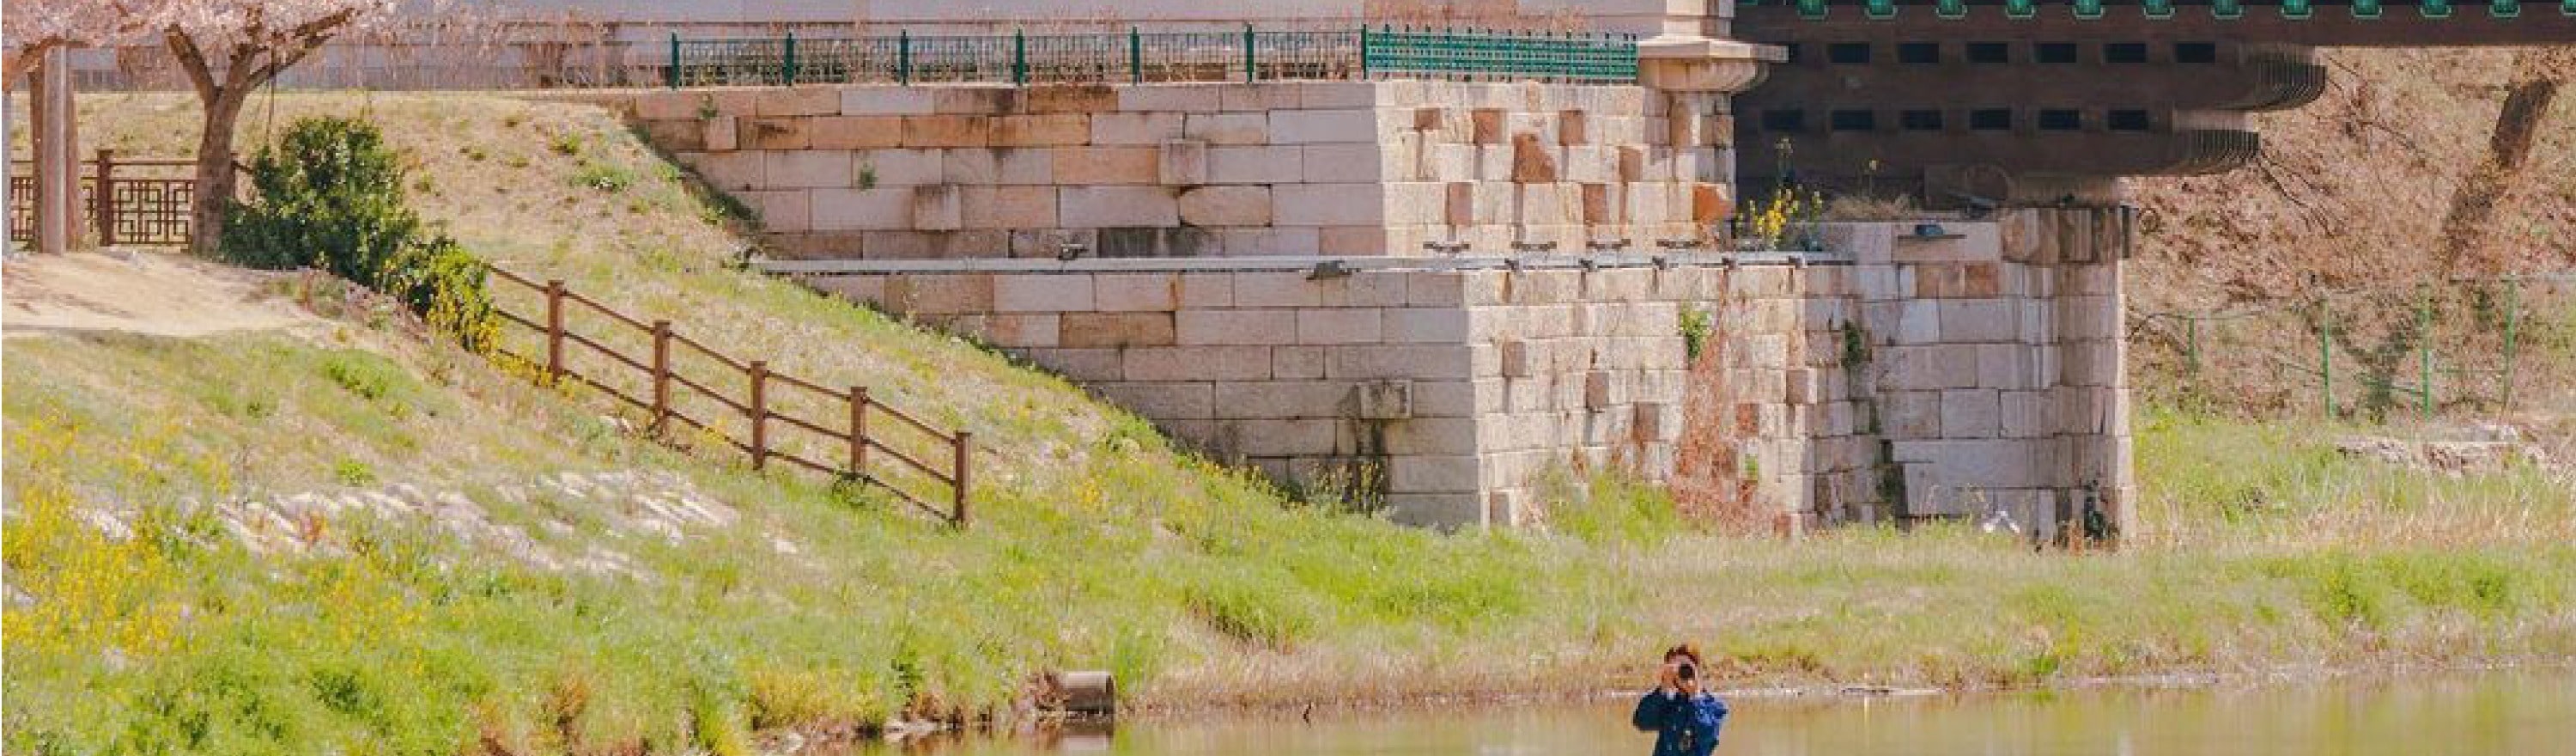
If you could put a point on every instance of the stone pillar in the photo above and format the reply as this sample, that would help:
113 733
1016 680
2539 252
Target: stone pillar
1695 74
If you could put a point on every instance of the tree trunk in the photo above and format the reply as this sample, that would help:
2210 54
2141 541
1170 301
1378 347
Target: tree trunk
2537 75
215 171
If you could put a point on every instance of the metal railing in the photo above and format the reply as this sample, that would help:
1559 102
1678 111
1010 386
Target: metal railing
2368 351
1138 57
847 432
2224 10
120 209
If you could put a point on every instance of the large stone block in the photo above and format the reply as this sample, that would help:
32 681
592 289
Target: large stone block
1162 402
1135 292
1434 473
853 132
1205 290
1083 364
797 101
1117 206
1978 321
1228 128
1183 162
1117 329
1971 413
1275 289
1338 326
1238 328
1107 165
1226 206
1427 325
1327 205
1257 241
1008 207
1283 399
1200 363
937 207
1177 98
1135 129
902 167
1050 130
1343 163
1433 361
773 134
947 131
896 101
1347 126
1255 165
718 134
938 294
1071 98
1030 330
782 211
806 169
848 209
1042 292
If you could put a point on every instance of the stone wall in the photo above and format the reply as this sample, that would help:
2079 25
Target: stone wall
1995 374
1969 372
1182 170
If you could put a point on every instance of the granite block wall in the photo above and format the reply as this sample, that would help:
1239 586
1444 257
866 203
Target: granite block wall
1182 170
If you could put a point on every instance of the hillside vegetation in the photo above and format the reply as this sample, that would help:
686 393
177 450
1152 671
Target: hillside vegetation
364 541
2350 199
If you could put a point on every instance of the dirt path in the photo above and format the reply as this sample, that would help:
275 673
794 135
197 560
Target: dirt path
136 292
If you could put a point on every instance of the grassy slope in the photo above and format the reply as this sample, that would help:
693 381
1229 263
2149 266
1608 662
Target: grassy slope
1098 547
2351 193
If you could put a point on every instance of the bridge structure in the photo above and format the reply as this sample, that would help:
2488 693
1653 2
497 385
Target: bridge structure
2016 100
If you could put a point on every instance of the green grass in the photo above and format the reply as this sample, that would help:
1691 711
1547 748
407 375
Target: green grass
1097 545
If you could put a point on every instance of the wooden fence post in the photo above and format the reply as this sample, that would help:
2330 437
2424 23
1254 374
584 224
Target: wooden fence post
759 413
554 329
661 375
965 442
105 196
858 431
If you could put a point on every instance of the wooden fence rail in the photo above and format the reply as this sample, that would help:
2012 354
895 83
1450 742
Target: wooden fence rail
758 404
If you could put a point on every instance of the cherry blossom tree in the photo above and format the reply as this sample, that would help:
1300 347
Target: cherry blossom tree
229 48
39 26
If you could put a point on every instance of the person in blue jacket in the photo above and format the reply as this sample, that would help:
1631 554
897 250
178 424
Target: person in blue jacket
1684 718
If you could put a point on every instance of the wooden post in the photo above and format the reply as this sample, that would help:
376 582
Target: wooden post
57 175
661 375
759 413
858 431
554 329
105 195
965 443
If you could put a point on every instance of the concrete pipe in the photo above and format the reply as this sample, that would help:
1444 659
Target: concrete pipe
1090 693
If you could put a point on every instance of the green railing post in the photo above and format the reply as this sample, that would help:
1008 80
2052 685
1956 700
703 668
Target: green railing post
903 57
2325 355
2366 9
1019 57
787 61
2424 349
1251 72
2512 315
675 60
2191 343
1135 56
1364 50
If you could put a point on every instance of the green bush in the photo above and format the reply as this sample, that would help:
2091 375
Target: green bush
330 197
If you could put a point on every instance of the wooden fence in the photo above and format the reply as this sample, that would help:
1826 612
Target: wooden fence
858 435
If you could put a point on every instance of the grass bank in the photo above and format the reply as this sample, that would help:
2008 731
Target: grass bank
441 588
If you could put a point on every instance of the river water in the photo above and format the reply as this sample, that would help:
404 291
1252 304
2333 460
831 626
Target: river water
2507 712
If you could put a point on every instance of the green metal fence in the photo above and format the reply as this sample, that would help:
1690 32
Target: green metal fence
1139 57
2370 352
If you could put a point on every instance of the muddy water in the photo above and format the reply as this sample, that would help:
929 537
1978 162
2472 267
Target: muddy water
2514 712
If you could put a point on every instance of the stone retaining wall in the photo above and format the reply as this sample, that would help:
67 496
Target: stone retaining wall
1179 170
1966 375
